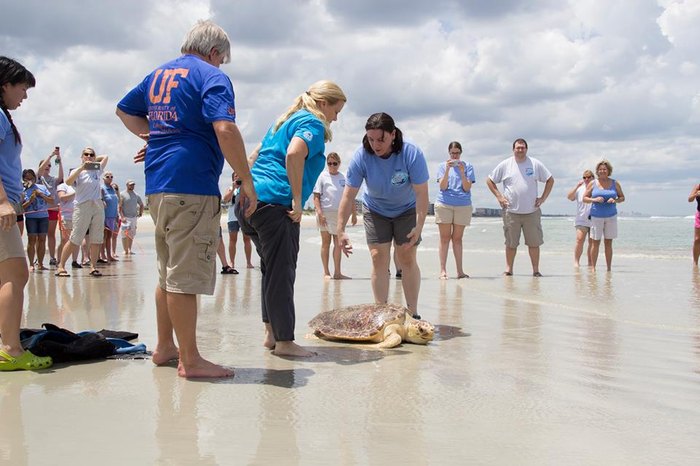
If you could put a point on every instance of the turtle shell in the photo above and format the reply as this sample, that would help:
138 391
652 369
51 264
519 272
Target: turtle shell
359 322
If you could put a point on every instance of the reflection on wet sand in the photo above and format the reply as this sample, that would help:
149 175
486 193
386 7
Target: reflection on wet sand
575 367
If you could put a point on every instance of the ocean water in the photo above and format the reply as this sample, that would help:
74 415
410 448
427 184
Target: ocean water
653 237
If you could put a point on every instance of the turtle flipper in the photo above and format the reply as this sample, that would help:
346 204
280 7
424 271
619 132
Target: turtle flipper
391 340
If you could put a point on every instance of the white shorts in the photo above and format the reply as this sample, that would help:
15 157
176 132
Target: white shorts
603 227
129 227
331 222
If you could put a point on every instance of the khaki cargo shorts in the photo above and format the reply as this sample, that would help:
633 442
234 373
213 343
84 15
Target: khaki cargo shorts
11 245
530 224
187 236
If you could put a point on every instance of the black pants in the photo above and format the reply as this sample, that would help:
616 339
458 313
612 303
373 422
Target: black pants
276 240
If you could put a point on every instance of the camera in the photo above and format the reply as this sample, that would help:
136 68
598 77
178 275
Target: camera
92 165
238 182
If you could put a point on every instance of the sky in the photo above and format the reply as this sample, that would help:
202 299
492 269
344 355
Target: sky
580 80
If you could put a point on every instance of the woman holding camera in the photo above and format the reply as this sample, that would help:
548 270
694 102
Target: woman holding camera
234 227
89 212
37 198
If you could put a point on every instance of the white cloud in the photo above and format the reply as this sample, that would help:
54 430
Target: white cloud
578 79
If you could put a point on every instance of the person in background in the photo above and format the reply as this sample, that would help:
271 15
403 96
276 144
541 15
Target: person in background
604 194
695 196
15 80
187 146
130 210
327 194
395 204
453 206
115 233
110 197
66 196
285 168
89 211
582 223
51 183
520 203
37 199
234 226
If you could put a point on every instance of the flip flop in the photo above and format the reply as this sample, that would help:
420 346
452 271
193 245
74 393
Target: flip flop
507 274
26 362
228 270
62 273
95 273
536 274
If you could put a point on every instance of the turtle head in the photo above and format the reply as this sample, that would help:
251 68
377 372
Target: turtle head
419 332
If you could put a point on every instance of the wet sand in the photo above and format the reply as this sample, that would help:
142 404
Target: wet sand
572 368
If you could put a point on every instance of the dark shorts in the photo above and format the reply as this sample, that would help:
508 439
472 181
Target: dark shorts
37 226
380 229
234 226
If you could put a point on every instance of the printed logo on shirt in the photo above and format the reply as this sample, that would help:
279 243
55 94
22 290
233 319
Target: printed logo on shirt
529 171
231 111
399 178
307 135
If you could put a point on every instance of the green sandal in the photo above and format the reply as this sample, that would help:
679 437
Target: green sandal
26 361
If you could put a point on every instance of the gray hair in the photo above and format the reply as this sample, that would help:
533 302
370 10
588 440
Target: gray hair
204 36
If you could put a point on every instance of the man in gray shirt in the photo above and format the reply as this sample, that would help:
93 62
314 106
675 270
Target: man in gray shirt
130 209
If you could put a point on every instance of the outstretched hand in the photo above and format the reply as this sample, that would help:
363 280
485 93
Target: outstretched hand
344 241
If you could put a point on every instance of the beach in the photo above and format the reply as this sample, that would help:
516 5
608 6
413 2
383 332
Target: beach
577 367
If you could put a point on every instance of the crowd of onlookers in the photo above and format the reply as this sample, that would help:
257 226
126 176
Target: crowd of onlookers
67 214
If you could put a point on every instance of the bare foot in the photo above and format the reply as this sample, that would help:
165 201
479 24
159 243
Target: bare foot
31 268
289 348
327 276
269 341
249 266
41 267
162 355
576 264
462 275
202 368
443 276
340 276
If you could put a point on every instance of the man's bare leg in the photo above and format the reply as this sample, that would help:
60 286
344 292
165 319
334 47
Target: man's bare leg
182 309
166 349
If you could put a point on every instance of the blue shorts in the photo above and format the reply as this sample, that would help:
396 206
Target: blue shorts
234 226
37 226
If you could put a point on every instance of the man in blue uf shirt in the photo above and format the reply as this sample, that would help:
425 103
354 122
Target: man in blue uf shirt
185 110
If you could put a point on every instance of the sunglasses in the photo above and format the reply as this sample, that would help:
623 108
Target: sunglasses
88 155
333 164
587 177
108 176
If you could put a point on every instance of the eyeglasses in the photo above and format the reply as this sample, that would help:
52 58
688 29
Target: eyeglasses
333 164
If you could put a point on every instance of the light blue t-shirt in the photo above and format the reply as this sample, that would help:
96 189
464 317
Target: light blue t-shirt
10 162
270 169
109 196
39 207
454 195
181 100
388 182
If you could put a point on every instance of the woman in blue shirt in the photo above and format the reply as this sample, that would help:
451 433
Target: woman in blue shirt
285 167
394 204
37 199
453 206
15 80
604 193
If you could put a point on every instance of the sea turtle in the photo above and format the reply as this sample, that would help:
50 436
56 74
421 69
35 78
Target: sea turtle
385 324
